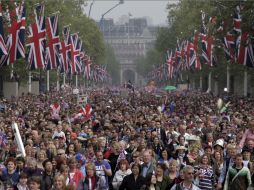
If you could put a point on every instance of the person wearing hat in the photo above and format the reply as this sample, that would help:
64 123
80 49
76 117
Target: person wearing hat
180 155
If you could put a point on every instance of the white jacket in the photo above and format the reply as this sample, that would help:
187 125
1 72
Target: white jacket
118 178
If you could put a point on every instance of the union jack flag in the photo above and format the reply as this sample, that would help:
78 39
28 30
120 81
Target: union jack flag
16 37
3 49
75 53
37 40
65 51
52 51
170 64
88 64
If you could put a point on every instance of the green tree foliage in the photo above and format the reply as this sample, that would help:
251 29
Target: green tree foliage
149 62
112 65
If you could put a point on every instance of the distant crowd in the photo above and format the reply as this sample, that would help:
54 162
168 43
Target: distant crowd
126 139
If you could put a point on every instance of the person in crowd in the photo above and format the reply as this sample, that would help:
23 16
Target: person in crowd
121 173
173 172
148 166
91 181
59 182
10 176
133 181
48 175
103 170
188 176
75 174
162 181
238 176
204 174
34 183
22 184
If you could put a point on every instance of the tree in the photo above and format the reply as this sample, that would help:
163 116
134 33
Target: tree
112 65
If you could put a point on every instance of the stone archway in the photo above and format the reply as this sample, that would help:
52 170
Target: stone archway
129 74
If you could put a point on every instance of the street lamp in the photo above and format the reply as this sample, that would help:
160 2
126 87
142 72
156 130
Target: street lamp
102 16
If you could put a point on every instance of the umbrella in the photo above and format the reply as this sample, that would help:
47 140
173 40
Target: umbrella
169 88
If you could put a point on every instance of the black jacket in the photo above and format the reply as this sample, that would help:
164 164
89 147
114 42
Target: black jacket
129 183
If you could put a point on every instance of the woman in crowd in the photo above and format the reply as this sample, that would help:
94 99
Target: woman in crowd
121 173
10 176
59 182
133 181
162 181
173 172
218 162
164 159
70 151
204 176
41 157
91 181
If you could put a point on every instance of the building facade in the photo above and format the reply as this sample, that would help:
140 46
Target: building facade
130 41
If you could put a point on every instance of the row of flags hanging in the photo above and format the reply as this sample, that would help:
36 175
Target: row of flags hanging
191 54
45 49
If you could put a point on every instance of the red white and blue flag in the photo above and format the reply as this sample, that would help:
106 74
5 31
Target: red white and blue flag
75 54
3 49
170 65
65 51
37 40
53 46
16 38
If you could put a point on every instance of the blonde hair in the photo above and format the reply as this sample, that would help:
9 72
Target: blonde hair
90 166
173 162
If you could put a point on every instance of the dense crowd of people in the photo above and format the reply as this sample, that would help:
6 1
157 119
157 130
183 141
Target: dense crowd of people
131 140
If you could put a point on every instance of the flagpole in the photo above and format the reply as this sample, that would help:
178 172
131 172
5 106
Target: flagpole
200 83
209 82
12 71
57 82
30 82
228 79
48 80
64 79
245 83
76 81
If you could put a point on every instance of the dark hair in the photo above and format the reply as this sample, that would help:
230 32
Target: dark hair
161 165
45 162
35 179
137 165
20 158
23 175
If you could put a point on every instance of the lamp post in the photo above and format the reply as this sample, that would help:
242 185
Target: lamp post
90 8
102 16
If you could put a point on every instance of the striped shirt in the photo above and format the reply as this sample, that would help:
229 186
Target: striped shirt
205 180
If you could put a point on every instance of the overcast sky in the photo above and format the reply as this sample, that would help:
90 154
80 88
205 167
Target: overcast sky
154 9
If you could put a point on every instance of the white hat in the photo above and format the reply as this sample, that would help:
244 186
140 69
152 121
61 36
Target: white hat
192 138
219 142
180 148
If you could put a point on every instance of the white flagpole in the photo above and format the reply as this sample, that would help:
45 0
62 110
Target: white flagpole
48 80
30 82
76 81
